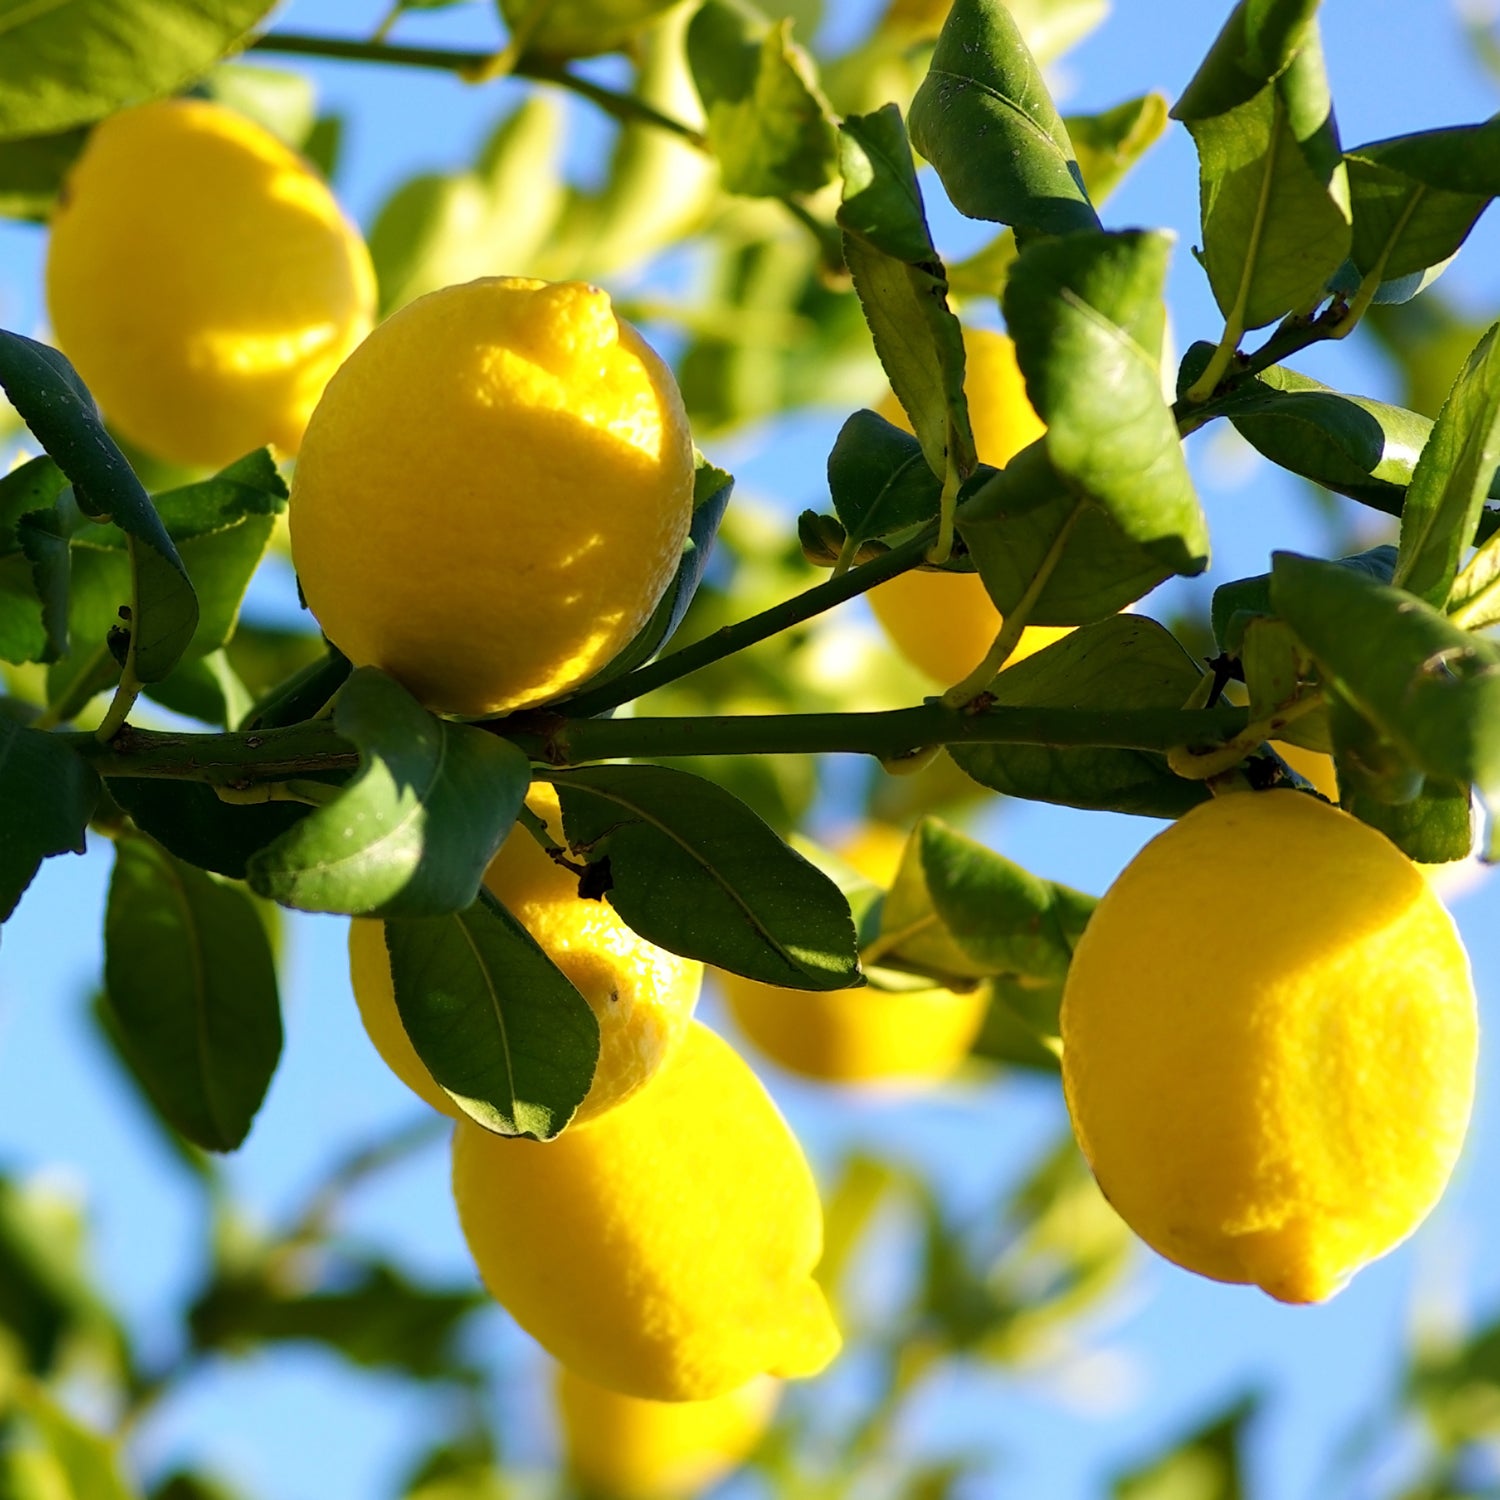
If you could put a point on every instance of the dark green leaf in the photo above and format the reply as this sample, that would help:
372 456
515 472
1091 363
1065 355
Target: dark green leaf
494 1020
63 65
693 870
984 119
1248 597
1275 194
98 583
1127 661
1431 689
1257 44
767 123
44 537
190 820
379 1319
1021 1027
46 391
1416 197
1434 828
191 985
414 829
299 696
47 796
958 909
1087 316
206 688
35 485
879 480
32 172
1452 478
902 288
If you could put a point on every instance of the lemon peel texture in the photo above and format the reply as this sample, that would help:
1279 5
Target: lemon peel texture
1269 1044
493 493
665 1250
203 280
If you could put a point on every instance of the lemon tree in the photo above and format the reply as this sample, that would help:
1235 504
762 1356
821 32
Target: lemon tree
562 715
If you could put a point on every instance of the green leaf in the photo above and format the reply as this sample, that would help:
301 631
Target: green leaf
1257 45
1416 197
376 1317
1236 603
98 579
67 64
1452 478
47 796
1127 661
1431 689
34 485
494 1020
206 688
33 563
188 819
1021 1027
1434 828
1010 525
191 986
285 102
46 391
1275 194
694 871
902 288
712 489
412 832
768 124
958 909
299 695
1207 1464
87 1464
879 480
984 119
32 172
1087 316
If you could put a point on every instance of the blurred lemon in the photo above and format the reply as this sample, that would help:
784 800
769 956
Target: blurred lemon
203 281
666 1249
1268 1044
629 1449
493 493
641 995
944 623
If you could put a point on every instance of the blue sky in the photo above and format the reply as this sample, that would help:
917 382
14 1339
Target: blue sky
293 1425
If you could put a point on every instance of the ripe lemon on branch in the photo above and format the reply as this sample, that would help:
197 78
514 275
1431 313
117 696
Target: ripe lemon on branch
944 623
493 493
1268 1044
203 281
641 995
664 1250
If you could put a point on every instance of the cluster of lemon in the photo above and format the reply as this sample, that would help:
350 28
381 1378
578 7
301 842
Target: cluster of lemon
1268 1026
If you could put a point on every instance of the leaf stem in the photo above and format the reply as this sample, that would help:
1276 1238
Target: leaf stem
126 692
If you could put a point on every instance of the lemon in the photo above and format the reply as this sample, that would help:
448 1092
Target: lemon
860 1036
203 281
1268 1044
641 995
583 28
630 1449
493 493
665 1250
944 623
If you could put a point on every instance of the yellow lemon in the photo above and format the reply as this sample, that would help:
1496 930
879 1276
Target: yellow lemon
665 1250
944 623
860 1035
641 995
203 281
493 493
629 1449
1268 1044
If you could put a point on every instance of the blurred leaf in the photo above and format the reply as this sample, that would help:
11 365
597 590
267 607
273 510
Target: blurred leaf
413 830
378 1318
32 172
984 119
1416 197
206 688
1206 1465
264 656
696 872
187 1484
768 124
1452 478
1087 317
1125 662
1275 192
1432 689
47 794
66 65
496 1023
1051 27
192 987
87 1463
849 1207
1434 828
901 286
959 909
47 392
1021 1026
284 102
